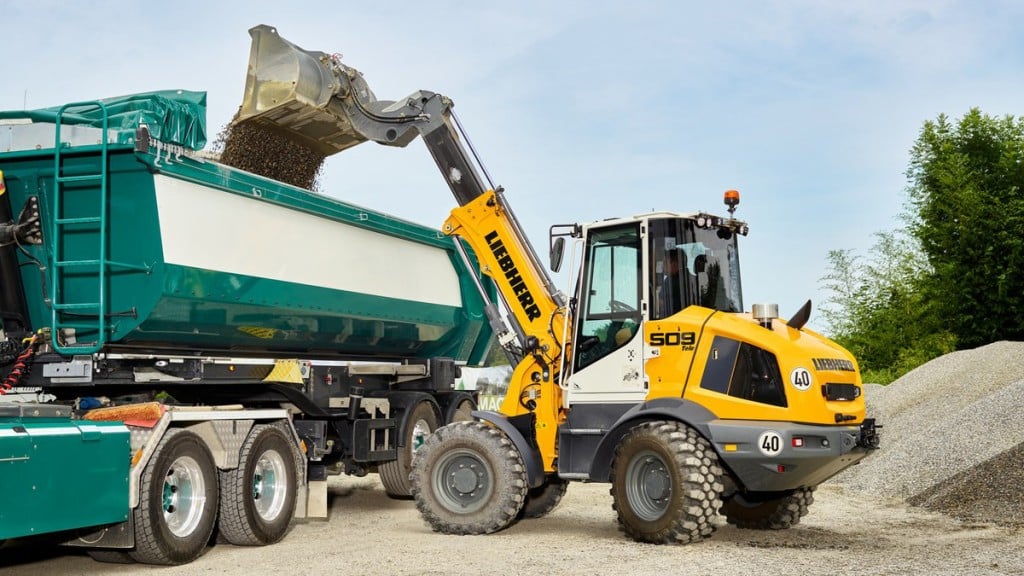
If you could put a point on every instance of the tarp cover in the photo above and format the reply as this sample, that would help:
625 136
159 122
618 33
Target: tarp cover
173 116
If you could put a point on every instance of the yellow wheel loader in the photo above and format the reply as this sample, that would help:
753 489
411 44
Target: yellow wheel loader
652 376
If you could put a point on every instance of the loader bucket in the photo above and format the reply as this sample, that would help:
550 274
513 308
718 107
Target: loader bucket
291 90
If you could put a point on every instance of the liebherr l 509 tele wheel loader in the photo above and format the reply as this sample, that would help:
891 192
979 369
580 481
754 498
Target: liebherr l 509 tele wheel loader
651 377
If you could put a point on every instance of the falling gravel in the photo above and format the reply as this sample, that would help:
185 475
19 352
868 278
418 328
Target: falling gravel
261 148
952 439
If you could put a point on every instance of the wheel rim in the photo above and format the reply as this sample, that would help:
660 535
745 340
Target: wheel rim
420 431
184 496
648 485
463 481
269 484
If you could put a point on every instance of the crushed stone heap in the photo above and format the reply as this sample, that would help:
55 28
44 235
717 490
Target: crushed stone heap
952 439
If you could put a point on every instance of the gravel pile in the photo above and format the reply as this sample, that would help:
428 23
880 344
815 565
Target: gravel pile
952 439
262 149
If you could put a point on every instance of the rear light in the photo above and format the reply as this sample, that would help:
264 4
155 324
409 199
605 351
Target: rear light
798 442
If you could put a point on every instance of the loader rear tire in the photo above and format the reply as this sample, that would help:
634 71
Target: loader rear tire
768 512
666 484
394 475
468 478
540 501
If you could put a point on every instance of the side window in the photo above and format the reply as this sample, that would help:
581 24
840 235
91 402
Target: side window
744 371
610 307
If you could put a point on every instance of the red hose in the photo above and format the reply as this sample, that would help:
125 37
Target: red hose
21 366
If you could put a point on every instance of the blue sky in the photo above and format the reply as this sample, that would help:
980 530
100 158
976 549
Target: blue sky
588 110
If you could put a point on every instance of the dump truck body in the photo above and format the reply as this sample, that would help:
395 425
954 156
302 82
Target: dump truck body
201 256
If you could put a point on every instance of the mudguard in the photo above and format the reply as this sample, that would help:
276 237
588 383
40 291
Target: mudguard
531 456
686 411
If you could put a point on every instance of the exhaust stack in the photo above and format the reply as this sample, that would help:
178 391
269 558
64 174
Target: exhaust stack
765 313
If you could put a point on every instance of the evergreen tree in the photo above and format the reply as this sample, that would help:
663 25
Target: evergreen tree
967 211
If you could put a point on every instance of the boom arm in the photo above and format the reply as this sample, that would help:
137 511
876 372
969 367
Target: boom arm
316 100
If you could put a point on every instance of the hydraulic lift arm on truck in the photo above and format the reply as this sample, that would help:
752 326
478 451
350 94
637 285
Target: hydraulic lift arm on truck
663 385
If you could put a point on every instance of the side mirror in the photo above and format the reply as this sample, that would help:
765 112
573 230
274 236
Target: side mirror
557 251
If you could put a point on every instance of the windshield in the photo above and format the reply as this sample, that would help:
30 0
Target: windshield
693 266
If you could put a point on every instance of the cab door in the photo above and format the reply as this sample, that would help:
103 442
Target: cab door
607 363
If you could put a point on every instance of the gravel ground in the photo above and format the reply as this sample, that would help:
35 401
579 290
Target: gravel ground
845 533
952 434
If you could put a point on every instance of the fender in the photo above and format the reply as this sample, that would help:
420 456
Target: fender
531 456
685 411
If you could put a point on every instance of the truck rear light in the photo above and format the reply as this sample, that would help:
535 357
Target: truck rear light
798 442
781 468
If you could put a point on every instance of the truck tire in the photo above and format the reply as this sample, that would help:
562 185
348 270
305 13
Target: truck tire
666 484
395 474
768 512
463 411
540 501
177 501
468 478
257 499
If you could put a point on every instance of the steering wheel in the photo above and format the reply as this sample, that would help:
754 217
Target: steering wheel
619 306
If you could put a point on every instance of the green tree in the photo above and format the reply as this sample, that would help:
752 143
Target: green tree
955 276
966 208
874 308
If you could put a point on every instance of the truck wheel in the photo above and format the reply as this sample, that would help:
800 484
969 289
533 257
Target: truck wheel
768 512
464 411
257 499
666 484
177 503
395 474
543 499
468 478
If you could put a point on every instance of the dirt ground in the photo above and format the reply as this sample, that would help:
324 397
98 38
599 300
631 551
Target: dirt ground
368 533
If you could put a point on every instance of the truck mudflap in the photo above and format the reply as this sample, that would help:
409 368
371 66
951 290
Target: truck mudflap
777 456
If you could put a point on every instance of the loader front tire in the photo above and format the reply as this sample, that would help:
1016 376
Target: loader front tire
468 478
768 511
666 484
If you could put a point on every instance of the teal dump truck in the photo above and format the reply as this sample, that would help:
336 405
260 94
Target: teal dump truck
218 343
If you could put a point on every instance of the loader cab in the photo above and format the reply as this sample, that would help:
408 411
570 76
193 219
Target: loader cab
650 268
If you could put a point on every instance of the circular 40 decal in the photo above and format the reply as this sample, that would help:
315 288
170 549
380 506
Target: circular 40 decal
770 443
800 378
